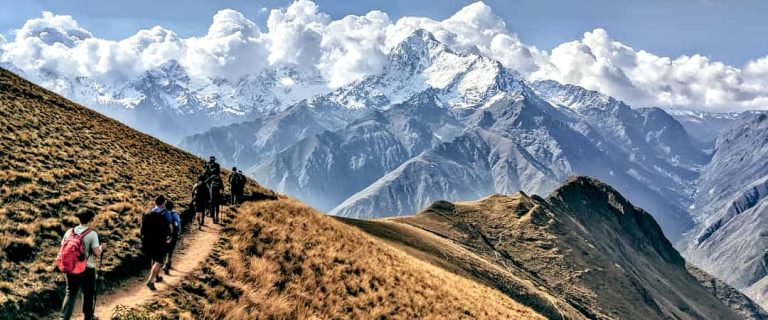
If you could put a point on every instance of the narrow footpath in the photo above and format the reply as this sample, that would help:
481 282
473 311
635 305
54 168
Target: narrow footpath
194 249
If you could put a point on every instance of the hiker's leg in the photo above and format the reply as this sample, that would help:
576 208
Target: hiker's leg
154 271
89 288
73 286
169 257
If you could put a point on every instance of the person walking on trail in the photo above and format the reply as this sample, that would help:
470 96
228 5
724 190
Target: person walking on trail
175 220
240 191
216 189
200 200
78 247
236 185
232 179
155 236
212 168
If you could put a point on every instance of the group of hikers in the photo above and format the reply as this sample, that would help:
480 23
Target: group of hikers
208 192
160 230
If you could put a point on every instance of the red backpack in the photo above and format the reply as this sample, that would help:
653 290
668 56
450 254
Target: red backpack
72 255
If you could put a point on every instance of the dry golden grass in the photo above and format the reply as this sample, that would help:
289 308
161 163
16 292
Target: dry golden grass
57 157
283 260
582 253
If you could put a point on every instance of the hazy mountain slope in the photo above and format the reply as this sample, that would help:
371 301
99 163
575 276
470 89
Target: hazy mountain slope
243 144
473 165
705 126
360 153
732 208
585 245
647 137
282 259
57 157
526 145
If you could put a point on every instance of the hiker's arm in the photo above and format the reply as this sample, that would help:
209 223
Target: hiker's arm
98 250
96 247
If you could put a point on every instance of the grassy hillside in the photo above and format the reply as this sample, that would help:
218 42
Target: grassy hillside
56 158
582 253
284 260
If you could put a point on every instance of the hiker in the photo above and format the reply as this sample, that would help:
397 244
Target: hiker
212 168
80 242
236 185
175 220
241 186
155 236
216 188
200 198
233 185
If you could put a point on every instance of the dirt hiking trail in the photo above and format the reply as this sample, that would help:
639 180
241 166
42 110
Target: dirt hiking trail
193 250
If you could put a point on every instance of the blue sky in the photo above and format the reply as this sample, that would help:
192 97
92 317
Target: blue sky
732 31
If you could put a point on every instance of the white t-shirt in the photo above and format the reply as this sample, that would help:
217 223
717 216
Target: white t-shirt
91 240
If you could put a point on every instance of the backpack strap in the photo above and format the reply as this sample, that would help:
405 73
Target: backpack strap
82 234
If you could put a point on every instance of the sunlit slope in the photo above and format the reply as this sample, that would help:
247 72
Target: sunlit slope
56 158
583 252
282 259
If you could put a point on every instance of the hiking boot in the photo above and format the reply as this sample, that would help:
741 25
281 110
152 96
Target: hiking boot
159 279
167 270
151 286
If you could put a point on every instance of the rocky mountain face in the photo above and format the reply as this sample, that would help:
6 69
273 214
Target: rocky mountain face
170 104
732 210
440 124
584 252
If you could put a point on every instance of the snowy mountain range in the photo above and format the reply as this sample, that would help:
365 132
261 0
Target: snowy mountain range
442 124
170 104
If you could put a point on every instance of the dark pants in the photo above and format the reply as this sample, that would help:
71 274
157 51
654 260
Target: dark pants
237 195
75 282
215 211
171 248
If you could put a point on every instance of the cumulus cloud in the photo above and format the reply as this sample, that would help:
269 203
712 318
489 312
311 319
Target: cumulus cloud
232 48
354 46
641 78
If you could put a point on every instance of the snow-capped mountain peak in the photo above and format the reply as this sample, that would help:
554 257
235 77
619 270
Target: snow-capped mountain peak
575 97
414 54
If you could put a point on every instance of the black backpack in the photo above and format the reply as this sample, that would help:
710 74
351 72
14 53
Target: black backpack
154 228
238 180
200 193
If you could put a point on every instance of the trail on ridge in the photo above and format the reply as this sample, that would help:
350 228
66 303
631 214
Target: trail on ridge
193 250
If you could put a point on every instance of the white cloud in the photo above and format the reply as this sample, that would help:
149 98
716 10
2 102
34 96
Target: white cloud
354 46
641 78
233 47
